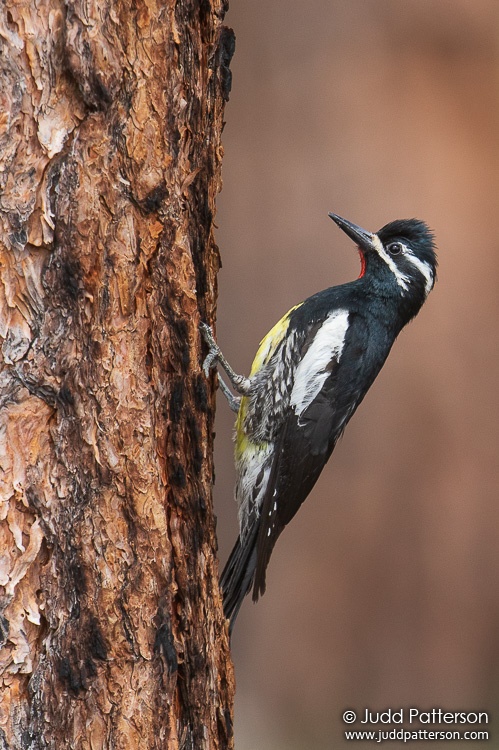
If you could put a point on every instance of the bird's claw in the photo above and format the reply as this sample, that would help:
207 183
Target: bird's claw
210 362
207 334
214 353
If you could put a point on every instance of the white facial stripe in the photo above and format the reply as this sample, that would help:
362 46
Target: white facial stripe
424 268
400 277
311 372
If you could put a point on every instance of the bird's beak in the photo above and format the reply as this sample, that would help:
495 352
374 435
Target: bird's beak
365 240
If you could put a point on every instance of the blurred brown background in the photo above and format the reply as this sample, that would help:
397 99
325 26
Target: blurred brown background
384 591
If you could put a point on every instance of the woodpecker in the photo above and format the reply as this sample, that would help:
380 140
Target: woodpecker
309 375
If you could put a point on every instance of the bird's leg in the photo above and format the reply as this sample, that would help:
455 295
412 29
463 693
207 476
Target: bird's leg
234 401
240 383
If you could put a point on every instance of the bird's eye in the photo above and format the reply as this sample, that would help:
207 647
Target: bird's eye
394 248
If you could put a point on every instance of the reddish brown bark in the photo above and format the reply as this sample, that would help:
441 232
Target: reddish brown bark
111 623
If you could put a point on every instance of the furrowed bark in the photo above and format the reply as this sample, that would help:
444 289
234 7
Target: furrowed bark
111 628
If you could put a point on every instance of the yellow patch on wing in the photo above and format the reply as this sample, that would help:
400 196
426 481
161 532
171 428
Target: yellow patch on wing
243 443
267 347
271 341
245 447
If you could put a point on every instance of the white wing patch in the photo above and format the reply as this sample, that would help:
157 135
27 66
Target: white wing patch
312 372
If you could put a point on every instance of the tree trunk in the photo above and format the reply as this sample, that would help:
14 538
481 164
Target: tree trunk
111 628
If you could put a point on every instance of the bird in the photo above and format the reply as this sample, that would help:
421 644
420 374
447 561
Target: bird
309 375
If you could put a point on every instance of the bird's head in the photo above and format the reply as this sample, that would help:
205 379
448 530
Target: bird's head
399 260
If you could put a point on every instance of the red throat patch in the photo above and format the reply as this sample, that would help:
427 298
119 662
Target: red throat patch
362 264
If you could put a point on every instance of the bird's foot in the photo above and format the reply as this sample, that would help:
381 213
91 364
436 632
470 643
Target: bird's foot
214 353
239 382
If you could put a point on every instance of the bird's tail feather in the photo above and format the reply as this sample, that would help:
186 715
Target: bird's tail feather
237 576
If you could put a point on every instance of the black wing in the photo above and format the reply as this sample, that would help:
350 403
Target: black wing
302 450
306 441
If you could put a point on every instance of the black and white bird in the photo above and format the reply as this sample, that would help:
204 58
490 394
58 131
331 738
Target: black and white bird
309 375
